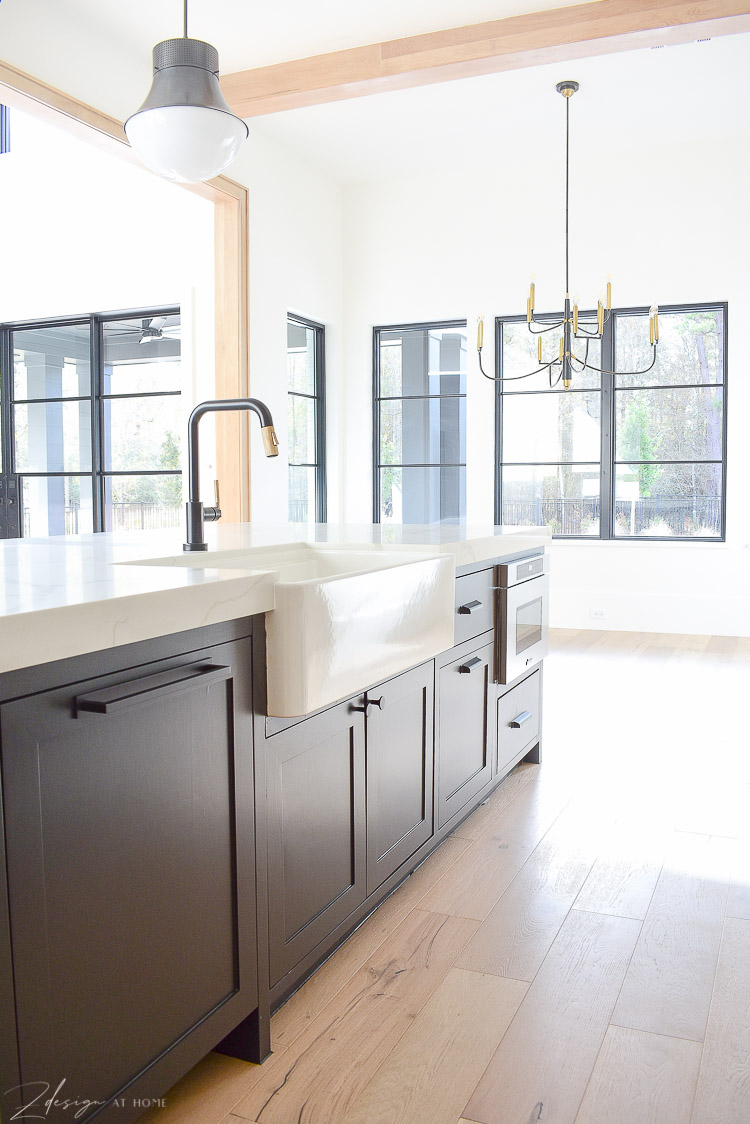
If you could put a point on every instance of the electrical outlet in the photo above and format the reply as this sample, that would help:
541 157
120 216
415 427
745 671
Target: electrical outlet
598 614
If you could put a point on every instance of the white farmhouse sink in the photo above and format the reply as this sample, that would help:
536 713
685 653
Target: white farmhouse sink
344 619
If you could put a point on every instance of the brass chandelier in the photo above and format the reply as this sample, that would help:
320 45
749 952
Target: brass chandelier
565 362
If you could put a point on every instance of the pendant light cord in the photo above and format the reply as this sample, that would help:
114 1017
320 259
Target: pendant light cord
567 181
185 10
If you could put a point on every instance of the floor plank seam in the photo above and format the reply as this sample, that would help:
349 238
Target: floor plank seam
625 973
598 913
708 1016
660 1033
591 1074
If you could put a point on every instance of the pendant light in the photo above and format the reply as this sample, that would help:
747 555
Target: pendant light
185 131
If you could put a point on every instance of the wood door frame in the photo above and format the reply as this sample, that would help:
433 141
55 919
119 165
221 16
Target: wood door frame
230 202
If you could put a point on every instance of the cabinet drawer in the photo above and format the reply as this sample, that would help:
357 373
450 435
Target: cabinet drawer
474 605
521 706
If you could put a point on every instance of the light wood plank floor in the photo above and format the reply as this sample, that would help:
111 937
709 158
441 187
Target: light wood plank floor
577 952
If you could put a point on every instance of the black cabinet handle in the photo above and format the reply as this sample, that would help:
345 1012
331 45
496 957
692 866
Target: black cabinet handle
368 702
468 667
138 692
470 607
519 720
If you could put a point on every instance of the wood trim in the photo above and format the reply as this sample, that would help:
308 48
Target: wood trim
601 27
231 323
230 201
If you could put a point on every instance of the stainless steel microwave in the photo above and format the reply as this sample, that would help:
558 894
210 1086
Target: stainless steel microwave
522 592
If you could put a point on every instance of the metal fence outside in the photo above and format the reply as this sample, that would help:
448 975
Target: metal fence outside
121 517
664 516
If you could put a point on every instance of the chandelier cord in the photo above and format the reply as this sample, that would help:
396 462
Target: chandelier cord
567 184
185 6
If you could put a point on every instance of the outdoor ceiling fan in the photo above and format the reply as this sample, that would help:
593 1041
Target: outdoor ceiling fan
152 328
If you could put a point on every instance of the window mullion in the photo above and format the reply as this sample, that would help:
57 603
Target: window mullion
606 486
96 433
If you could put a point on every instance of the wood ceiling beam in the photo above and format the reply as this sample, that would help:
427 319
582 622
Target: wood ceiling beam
556 35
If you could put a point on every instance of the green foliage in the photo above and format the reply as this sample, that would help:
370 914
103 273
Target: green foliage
636 443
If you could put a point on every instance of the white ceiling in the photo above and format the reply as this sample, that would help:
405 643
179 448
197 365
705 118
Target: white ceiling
694 94
248 34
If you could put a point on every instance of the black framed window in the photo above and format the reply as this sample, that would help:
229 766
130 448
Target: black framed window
305 341
91 439
419 419
618 456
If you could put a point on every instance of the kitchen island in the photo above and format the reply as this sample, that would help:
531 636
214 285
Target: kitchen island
178 856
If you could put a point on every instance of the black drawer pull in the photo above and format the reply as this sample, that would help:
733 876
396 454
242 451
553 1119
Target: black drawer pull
470 607
519 720
128 696
468 667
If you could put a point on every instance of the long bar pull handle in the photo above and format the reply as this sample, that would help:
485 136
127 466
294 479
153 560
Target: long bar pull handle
149 688
468 667
470 607
519 720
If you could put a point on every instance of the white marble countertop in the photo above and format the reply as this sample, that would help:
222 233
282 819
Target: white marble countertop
69 595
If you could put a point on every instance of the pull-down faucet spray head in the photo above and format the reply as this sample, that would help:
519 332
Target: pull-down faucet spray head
270 440
196 513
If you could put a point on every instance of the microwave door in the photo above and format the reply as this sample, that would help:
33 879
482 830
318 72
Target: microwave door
524 616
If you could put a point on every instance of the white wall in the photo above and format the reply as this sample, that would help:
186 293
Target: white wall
296 265
670 225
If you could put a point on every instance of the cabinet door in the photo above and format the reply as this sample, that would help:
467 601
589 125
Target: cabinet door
465 737
316 831
399 770
130 924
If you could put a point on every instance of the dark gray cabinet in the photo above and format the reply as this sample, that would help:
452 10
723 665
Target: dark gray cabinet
349 799
465 729
315 781
129 821
399 770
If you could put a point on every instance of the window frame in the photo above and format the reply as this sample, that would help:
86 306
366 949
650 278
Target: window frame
319 406
10 476
608 463
425 326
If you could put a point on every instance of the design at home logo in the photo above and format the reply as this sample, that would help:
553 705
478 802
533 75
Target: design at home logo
39 1103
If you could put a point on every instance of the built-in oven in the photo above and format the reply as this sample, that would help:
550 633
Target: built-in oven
522 615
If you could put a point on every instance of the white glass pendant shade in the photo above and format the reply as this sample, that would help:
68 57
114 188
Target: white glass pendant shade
186 143
185 130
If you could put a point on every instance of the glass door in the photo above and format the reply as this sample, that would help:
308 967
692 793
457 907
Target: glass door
90 424
51 435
